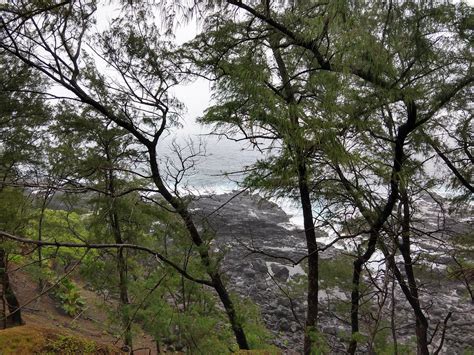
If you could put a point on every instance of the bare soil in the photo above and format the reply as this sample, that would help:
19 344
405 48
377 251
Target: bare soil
43 311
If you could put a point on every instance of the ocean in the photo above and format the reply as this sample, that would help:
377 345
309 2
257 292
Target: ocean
219 169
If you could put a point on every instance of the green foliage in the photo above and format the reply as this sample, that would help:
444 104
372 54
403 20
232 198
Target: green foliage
319 340
359 337
336 272
69 296
389 349
182 315
15 210
191 330
61 226
465 240
67 344
382 340
29 339
331 93
257 334
23 115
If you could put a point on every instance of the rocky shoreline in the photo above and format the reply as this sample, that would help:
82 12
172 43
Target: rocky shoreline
261 246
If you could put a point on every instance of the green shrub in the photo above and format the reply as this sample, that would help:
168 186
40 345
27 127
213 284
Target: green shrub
67 344
68 294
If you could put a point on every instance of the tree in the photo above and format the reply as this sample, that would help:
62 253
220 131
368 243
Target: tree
101 152
351 97
21 115
260 99
365 80
137 99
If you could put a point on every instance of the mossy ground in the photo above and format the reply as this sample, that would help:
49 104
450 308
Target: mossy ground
258 352
29 339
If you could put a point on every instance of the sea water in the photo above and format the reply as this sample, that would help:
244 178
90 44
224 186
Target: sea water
219 166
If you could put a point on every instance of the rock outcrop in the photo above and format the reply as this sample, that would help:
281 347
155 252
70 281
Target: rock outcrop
261 248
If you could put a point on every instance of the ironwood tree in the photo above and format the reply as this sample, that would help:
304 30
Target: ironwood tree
354 92
60 42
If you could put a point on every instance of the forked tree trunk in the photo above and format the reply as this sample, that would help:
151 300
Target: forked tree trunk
355 294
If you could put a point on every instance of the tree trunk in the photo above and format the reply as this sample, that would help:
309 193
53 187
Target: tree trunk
121 258
376 224
421 321
123 281
355 295
313 267
411 294
422 337
14 311
203 251
230 310
393 321
40 238
310 234
124 299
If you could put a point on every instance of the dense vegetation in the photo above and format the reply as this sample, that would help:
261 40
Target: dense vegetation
366 108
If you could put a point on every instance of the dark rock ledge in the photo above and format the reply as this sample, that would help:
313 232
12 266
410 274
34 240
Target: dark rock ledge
253 221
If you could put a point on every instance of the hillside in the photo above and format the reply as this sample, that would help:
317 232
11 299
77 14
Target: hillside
49 329
36 339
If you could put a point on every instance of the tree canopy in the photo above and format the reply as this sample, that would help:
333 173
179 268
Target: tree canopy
365 109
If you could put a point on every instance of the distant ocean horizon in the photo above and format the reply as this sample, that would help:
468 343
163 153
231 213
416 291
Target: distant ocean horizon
214 174
220 169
